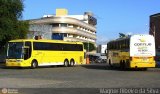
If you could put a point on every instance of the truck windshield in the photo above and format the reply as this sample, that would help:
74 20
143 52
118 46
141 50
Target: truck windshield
14 50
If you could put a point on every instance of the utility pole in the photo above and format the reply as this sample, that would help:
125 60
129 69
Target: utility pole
87 57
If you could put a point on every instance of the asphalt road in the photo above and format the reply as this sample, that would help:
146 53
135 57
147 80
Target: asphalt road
91 77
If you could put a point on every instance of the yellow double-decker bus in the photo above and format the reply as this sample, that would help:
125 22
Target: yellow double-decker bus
136 51
34 53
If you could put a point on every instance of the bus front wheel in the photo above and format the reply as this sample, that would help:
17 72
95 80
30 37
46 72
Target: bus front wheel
34 64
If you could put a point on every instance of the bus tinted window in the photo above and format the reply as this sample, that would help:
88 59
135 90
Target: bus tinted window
57 46
72 47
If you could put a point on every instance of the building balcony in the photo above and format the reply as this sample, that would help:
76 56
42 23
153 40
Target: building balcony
67 20
77 39
73 31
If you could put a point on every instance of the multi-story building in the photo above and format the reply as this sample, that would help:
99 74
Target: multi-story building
62 26
155 31
155 28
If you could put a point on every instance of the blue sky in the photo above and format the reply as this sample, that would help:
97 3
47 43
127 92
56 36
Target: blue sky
113 16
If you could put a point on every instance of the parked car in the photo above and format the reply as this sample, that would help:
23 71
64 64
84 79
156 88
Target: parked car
92 58
98 60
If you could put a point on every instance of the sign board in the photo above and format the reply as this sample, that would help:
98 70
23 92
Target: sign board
142 45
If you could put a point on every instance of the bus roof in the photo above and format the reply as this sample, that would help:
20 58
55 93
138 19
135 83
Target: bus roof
44 40
127 37
118 39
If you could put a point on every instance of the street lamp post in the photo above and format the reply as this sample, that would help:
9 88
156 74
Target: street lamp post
88 46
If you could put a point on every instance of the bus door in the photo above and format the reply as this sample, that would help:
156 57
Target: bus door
27 50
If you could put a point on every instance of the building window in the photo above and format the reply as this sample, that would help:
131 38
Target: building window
63 25
65 35
57 36
75 26
55 25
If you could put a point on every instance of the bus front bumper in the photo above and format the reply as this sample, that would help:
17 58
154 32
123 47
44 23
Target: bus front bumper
20 63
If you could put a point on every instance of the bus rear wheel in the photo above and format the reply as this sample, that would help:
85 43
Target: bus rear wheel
72 63
66 63
122 65
110 63
34 64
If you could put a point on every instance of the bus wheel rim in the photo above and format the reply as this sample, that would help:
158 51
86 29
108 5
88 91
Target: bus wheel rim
72 63
34 65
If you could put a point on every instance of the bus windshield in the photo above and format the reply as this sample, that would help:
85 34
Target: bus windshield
14 50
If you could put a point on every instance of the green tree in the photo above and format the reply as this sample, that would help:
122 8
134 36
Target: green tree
91 46
10 25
